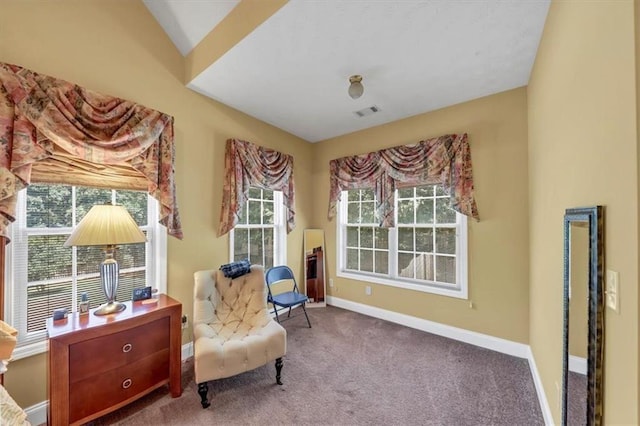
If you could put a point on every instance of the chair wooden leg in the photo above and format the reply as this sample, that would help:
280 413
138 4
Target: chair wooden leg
305 314
203 388
278 370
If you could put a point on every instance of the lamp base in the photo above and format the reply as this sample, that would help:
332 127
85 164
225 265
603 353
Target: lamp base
110 308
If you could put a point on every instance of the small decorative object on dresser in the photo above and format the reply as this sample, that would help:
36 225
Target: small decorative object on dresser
83 306
59 314
98 364
141 293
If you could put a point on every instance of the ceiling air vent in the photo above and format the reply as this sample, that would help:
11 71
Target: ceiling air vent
367 111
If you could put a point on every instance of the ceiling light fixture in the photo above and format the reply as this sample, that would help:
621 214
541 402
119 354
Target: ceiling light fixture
356 89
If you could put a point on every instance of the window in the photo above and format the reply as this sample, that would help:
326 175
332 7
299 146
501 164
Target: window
43 275
367 245
260 234
425 251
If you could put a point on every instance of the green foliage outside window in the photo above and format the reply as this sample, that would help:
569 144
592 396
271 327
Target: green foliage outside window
425 235
254 235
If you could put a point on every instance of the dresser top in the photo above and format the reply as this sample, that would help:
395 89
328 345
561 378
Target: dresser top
76 322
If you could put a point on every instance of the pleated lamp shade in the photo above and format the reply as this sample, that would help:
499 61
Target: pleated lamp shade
106 225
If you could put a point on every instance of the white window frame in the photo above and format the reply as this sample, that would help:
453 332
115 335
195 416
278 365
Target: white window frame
460 290
15 277
279 230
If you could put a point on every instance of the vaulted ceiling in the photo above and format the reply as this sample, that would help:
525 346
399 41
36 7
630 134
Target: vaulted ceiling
288 62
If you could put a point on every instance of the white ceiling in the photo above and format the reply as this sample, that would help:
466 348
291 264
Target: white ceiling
415 56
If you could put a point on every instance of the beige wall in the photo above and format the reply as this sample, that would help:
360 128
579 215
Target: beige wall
117 48
583 151
637 306
498 244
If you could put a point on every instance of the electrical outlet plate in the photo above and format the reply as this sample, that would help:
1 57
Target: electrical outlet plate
612 293
185 321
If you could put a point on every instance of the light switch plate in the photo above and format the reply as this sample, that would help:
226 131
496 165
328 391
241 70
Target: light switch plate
612 293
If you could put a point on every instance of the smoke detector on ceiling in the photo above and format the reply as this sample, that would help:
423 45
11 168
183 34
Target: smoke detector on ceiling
367 111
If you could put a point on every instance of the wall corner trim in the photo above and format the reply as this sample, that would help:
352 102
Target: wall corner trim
542 396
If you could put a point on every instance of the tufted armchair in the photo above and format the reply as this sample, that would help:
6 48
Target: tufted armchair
233 331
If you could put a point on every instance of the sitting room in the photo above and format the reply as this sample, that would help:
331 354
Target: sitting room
445 181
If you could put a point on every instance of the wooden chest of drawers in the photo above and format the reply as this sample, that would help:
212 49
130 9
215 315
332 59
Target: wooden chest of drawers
98 364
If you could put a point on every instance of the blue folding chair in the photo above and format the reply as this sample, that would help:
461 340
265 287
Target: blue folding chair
287 299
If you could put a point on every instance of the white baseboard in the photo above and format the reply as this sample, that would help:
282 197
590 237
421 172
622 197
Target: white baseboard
508 347
578 365
542 396
187 350
37 413
497 344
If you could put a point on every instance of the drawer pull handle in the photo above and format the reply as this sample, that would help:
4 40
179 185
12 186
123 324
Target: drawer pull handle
126 384
127 348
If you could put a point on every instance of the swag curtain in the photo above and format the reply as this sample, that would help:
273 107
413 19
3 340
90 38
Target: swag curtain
445 160
57 132
246 165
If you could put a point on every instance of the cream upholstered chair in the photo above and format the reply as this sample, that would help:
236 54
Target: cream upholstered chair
233 331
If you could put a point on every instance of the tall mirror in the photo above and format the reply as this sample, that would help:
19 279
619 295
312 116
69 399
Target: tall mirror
314 269
583 316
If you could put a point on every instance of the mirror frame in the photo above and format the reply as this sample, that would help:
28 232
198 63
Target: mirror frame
323 303
595 218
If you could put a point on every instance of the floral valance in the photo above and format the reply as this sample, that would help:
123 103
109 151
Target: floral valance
445 160
248 165
57 132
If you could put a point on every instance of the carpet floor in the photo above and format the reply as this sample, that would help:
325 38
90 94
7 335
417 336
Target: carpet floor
577 399
351 369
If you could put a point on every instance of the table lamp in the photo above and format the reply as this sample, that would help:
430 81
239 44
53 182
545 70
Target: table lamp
108 226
